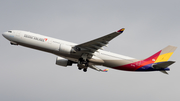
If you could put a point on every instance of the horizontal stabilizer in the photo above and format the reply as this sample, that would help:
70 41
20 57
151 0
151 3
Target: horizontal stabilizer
161 65
163 71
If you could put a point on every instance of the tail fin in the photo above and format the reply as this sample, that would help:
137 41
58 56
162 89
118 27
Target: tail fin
162 56
160 59
166 54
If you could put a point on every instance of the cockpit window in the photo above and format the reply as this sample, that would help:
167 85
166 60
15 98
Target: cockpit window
10 31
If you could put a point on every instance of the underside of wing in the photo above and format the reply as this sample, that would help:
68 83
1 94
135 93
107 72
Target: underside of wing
98 43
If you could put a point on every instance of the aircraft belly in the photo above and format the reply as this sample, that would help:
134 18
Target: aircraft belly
46 47
96 61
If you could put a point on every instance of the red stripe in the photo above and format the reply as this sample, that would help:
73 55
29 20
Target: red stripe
136 65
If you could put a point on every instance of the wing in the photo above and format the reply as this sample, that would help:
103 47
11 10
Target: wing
94 45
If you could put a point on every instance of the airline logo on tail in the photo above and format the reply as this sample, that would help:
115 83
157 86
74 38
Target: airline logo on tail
162 55
157 62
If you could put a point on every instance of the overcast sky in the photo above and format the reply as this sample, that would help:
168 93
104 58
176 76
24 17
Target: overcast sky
31 75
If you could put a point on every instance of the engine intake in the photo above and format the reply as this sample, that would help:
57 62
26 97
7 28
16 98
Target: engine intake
63 62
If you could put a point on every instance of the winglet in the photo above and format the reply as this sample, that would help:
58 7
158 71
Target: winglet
121 30
105 70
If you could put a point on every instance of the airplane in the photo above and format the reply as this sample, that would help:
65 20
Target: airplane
91 54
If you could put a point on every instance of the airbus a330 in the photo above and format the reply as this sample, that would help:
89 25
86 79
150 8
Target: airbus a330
91 54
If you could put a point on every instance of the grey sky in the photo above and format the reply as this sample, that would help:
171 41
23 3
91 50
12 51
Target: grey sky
31 75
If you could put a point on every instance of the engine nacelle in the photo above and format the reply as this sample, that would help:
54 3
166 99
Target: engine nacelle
63 62
66 49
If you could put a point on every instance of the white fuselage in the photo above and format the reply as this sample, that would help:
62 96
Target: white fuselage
54 46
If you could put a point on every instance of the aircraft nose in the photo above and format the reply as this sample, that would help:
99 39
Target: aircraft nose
4 34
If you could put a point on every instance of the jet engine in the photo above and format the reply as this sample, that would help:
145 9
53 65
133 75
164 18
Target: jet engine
63 62
66 49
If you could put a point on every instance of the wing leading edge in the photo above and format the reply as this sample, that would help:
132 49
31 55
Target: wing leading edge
98 43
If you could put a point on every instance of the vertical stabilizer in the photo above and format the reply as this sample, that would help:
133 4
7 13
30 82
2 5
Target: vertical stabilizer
165 54
162 56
